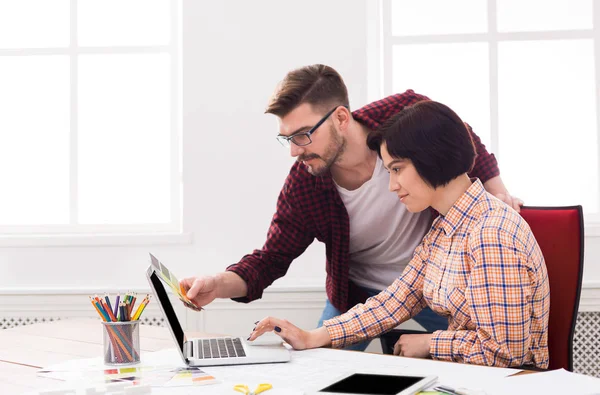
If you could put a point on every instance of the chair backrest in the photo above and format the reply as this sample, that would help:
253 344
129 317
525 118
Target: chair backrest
559 233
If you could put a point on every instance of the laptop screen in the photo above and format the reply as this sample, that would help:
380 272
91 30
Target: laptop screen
167 307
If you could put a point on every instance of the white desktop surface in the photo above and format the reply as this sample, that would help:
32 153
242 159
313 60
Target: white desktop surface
77 344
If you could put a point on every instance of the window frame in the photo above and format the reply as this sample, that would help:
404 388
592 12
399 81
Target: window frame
74 233
380 43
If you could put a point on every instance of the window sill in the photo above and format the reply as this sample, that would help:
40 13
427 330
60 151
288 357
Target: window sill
592 229
96 240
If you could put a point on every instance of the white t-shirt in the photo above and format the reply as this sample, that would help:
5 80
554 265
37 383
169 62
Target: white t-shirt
383 233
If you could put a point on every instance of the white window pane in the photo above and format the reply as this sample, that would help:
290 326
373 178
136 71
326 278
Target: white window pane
412 18
536 15
547 122
124 139
123 22
34 23
34 140
453 74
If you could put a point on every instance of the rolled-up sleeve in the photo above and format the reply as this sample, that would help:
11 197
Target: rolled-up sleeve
287 239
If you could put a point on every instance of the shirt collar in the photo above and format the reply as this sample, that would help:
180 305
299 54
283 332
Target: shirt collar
324 182
462 208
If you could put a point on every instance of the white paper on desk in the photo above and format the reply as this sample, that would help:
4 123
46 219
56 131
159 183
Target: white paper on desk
314 369
553 382
159 368
163 358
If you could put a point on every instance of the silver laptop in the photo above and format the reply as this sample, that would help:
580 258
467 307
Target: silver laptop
208 351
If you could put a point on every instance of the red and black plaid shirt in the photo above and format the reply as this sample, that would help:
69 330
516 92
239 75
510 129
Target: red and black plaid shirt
310 207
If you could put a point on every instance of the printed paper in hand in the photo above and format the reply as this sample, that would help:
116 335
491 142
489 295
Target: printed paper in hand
169 278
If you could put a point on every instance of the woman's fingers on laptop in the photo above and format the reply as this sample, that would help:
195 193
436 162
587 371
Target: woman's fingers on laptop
265 325
290 333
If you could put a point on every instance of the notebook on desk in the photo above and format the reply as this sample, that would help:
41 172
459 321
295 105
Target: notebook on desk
207 351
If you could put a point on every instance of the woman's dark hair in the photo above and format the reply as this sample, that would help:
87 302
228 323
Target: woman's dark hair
432 137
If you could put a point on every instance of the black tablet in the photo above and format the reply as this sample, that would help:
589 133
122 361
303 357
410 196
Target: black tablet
378 384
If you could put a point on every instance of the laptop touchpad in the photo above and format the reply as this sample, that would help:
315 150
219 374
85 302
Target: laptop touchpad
267 339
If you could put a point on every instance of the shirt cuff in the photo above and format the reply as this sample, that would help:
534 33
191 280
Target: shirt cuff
254 291
340 332
440 346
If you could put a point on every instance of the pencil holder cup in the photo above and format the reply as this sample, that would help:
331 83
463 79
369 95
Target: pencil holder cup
121 342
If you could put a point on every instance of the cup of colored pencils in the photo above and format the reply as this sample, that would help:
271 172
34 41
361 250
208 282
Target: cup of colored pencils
121 329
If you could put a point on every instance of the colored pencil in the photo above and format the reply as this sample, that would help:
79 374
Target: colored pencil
132 304
117 305
107 298
138 314
127 309
139 308
109 312
122 311
102 312
97 309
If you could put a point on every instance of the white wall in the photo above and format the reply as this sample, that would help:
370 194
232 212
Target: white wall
235 52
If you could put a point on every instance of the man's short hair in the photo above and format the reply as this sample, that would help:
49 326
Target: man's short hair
319 85
432 137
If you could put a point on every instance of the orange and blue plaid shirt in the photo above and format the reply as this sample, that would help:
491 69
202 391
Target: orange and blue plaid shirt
481 267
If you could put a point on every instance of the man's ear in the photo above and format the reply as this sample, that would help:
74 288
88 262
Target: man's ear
342 117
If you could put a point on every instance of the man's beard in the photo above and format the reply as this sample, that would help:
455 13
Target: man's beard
332 155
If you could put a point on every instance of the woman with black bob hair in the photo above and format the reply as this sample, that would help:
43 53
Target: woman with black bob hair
479 265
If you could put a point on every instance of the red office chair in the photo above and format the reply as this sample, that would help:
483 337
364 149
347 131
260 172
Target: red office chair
559 233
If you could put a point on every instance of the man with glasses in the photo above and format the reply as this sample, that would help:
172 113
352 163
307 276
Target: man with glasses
337 193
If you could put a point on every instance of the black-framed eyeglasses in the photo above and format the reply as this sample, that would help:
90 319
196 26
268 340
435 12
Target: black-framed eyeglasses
303 138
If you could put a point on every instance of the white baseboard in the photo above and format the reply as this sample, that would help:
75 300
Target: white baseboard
590 297
301 305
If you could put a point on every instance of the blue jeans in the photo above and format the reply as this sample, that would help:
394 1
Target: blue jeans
427 318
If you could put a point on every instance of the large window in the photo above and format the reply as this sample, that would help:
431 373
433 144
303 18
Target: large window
523 73
89 116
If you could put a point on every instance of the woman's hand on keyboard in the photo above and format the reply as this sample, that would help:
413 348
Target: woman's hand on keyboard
298 338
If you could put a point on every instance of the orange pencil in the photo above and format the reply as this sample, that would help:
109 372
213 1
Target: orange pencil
97 309
100 309
108 311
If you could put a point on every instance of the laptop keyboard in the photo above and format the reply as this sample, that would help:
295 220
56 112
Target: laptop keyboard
220 348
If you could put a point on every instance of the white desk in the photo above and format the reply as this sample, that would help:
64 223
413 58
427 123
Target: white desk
26 349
